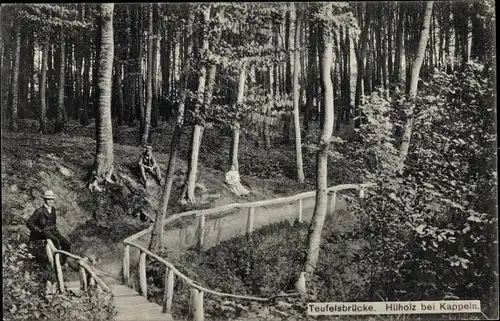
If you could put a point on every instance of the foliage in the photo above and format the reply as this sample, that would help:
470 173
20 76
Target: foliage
431 231
26 297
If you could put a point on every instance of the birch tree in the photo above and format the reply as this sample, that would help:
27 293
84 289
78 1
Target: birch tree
417 64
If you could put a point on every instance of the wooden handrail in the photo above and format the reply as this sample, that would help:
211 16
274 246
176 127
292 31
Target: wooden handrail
192 283
228 207
197 291
56 262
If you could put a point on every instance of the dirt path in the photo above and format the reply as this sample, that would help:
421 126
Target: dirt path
232 225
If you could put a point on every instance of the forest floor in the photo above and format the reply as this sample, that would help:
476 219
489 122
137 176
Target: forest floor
96 223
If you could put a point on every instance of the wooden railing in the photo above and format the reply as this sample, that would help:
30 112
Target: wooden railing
54 256
197 291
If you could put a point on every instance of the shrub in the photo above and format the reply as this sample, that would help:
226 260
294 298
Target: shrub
26 296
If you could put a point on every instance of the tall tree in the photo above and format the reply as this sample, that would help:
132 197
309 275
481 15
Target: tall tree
360 57
61 109
236 125
103 163
157 233
149 78
296 96
197 134
15 77
43 88
417 64
318 218
311 73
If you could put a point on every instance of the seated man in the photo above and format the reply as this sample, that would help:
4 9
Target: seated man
42 225
147 163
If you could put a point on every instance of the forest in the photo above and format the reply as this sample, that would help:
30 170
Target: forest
399 94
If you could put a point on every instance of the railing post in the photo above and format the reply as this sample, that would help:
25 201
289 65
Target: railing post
59 273
142 275
83 279
50 255
361 193
201 229
333 202
196 305
300 211
169 290
126 265
250 219
199 312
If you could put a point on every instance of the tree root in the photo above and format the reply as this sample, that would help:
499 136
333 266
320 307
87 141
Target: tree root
95 180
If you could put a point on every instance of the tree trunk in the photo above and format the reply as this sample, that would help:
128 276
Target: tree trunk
32 93
103 164
267 108
155 111
119 93
417 64
23 91
43 88
79 59
389 42
287 77
157 233
318 218
360 55
296 94
95 76
165 67
149 79
311 74
236 127
398 65
190 184
15 78
84 116
61 109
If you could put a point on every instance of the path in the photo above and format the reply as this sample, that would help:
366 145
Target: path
130 305
218 230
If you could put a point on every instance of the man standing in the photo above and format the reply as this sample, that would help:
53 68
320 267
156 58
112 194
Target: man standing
42 225
147 163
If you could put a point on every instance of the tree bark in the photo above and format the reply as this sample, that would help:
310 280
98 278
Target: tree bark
360 55
43 88
236 126
84 116
287 77
417 64
157 232
190 184
318 218
296 96
398 65
311 74
61 109
15 78
149 79
103 164
155 111
165 67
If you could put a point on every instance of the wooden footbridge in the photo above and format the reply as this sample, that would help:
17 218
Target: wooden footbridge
134 306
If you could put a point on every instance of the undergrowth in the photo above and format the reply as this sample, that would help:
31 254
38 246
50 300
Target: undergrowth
26 298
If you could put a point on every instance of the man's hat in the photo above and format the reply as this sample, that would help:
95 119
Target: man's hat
49 195
148 147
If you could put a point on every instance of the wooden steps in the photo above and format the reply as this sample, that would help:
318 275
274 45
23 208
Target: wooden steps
133 307
130 305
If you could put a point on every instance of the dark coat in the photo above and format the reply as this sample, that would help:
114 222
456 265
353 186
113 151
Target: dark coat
41 221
